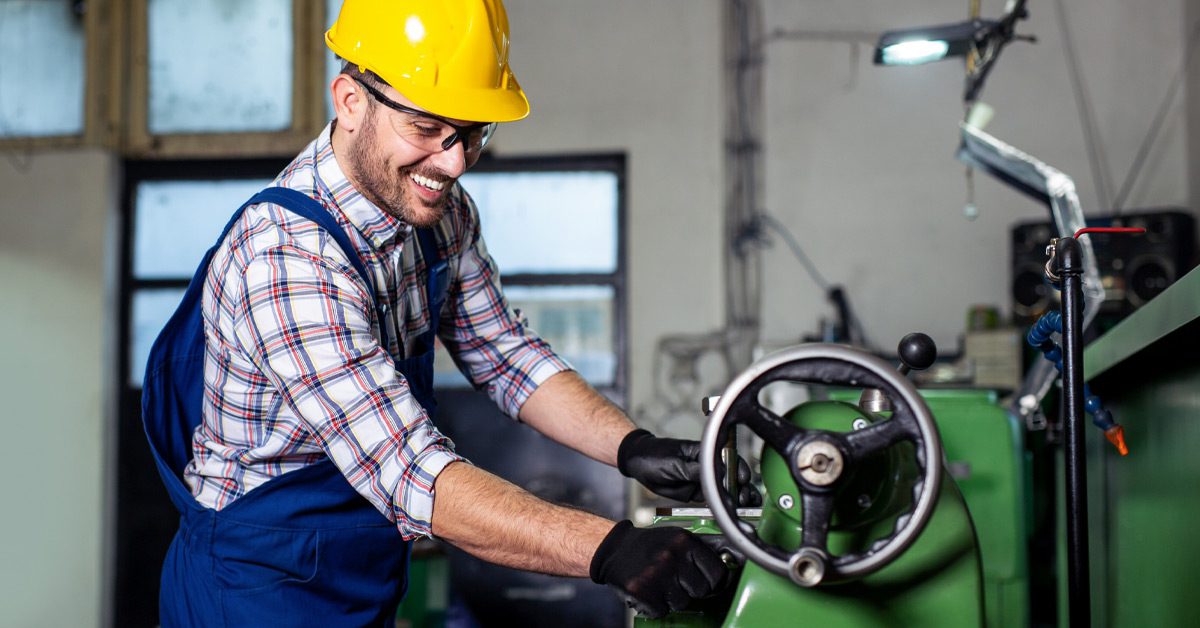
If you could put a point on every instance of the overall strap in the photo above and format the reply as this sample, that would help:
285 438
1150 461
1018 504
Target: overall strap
173 387
436 283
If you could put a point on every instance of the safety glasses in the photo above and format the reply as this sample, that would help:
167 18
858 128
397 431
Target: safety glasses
432 133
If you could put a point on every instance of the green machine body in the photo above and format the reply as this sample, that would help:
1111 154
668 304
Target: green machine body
931 576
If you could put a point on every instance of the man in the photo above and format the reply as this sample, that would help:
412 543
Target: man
316 461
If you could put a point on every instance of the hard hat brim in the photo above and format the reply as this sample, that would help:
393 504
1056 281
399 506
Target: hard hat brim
472 105
461 103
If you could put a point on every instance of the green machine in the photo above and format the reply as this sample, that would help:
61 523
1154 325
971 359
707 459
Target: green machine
867 516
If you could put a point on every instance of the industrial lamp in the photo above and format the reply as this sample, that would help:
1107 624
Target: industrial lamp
978 40
914 46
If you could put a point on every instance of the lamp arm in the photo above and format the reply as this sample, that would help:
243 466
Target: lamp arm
1001 34
1008 23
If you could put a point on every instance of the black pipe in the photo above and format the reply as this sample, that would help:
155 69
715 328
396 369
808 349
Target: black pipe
1078 584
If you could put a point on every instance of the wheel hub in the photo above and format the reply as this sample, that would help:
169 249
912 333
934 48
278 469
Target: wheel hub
819 462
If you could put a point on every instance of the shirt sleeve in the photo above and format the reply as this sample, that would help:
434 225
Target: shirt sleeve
306 324
490 344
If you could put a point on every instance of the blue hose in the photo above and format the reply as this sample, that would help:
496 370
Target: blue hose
1039 337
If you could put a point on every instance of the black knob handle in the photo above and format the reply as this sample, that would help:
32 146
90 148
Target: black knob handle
917 352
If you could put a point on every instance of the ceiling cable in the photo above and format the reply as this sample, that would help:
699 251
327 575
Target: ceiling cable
1144 150
1095 150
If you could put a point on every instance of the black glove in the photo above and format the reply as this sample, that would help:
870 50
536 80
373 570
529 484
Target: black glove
671 467
657 569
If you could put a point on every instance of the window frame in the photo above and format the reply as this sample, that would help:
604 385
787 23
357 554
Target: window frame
102 44
137 539
138 171
308 109
606 162
116 92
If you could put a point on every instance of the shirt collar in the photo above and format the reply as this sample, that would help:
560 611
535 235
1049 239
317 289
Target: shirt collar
379 227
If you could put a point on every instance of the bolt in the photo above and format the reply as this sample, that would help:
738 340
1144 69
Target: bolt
864 501
786 502
820 463
859 424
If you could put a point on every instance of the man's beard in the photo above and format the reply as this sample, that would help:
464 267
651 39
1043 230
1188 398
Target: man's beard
388 189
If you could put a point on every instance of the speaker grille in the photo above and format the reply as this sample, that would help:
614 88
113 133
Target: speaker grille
1133 268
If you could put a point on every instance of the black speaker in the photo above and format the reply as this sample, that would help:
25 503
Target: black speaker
1133 268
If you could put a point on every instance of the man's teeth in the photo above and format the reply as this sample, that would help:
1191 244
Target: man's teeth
427 182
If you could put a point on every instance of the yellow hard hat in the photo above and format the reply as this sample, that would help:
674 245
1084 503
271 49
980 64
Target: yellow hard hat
450 57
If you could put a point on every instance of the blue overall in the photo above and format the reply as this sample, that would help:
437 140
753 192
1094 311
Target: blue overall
303 549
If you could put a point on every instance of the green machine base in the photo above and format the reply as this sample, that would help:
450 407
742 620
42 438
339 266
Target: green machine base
943 579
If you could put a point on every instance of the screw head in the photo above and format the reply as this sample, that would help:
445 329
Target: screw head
859 423
786 502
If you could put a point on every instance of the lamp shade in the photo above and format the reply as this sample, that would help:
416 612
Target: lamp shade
914 46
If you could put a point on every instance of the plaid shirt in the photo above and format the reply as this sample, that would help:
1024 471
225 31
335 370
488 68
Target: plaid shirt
294 371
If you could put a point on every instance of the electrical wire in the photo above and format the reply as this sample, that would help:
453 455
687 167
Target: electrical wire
789 239
734 342
1144 150
854 325
744 218
744 275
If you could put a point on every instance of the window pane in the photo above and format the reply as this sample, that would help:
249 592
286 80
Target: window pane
220 65
577 321
177 221
42 75
151 309
548 222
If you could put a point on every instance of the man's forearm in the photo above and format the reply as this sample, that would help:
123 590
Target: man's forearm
499 522
569 411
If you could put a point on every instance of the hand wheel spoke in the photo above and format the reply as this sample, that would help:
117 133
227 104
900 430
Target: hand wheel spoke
817 460
818 510
877 437
770 427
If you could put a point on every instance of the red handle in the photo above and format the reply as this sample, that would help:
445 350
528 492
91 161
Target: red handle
1108 230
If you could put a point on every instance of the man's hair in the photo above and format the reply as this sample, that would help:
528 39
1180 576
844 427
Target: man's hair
365 76
352 70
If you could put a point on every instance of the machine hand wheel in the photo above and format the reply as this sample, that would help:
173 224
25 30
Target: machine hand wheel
818 459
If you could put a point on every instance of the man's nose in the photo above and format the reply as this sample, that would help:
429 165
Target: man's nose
452 162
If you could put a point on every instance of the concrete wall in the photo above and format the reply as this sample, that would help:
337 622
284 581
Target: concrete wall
641 78
1191 96
859 160
54 381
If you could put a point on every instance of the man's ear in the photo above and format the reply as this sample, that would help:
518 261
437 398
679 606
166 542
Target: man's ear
349 102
